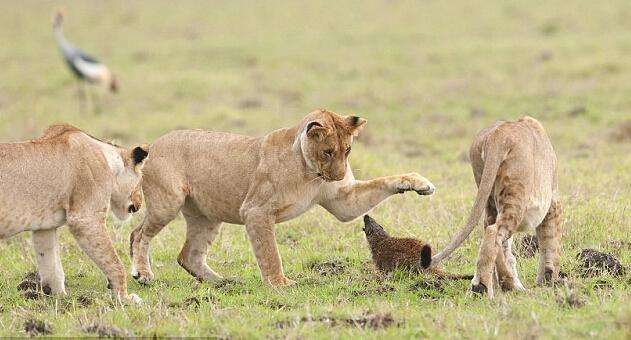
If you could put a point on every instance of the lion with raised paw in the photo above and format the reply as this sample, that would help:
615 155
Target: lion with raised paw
216 177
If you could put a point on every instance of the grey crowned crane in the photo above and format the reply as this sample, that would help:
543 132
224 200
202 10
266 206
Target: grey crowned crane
86 68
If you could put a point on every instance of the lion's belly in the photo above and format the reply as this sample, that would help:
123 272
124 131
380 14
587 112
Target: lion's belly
19 221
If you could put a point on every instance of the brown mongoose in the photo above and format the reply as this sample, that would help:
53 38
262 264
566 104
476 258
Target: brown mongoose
390 253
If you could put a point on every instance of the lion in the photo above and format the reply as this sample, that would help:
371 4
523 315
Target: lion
68 177
216 177
515 168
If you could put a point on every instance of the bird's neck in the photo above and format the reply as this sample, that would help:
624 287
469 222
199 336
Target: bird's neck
59 37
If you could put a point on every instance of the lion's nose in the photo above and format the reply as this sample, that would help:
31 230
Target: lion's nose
132 209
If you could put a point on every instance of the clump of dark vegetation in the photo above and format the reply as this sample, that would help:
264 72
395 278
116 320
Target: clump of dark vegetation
528 246
30 286
622 132
34 327
328 268
367 320
103 331
596 263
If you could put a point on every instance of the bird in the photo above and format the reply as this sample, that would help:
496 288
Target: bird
85 67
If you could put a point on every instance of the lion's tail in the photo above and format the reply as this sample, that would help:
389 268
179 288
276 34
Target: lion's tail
494 157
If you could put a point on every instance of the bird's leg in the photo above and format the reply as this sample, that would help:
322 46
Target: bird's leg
81 96
96 105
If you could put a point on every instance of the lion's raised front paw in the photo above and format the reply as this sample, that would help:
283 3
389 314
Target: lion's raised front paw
415 182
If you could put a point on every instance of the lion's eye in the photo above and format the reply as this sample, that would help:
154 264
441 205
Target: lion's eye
328 152
348 150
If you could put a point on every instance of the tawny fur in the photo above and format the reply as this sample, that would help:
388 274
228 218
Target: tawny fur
515 168
68 177
215 177
390 253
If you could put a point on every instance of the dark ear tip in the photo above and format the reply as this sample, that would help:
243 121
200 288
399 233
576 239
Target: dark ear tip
139 154
426 256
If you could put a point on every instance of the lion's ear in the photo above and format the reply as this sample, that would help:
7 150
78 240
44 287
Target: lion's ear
139 154
355 124
314 129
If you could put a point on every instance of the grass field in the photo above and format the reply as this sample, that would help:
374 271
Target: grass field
427 76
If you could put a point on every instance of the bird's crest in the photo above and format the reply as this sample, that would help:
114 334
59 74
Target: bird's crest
58 18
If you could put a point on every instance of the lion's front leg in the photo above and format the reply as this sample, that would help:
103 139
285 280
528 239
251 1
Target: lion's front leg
349 201
260 229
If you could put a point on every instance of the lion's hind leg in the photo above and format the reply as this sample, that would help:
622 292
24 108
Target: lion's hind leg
495 235
548 236
51 272
200 233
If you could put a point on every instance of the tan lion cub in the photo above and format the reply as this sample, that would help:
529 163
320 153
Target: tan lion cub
215 177
69 177
515 168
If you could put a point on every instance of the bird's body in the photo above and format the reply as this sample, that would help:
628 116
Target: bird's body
83 66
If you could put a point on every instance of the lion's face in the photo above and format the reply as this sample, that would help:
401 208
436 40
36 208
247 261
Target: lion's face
127 194
326 143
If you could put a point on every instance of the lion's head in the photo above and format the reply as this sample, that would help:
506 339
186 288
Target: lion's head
326 140
126 196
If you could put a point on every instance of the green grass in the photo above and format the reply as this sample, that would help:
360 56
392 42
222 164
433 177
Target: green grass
427 76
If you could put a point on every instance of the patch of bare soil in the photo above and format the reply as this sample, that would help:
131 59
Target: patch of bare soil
250 103
85 301
380 290
596 263
428 288
193 302
476 112
231 285
368 320
34 327
329 267
103 331
570 299
577 111
528 246
276 305
622 132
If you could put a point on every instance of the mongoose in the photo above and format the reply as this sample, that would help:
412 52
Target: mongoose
390 253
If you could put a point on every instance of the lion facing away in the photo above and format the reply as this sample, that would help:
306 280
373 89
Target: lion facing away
515 168
215 177
68 177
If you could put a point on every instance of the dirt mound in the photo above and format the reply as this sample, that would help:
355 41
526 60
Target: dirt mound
30 286
328 268
596 263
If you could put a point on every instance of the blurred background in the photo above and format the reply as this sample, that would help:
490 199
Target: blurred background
427 75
